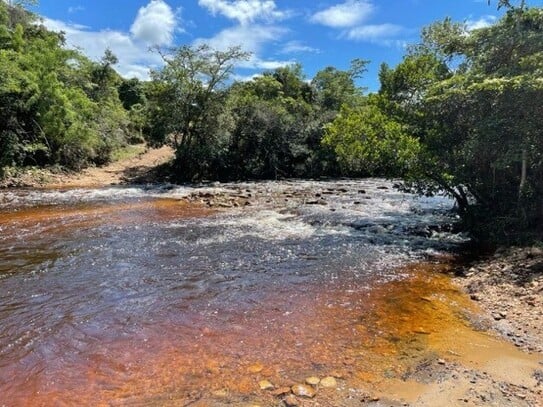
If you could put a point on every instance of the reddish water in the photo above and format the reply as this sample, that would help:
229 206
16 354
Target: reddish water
155 302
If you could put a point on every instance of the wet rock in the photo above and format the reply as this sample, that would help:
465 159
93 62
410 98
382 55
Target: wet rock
291 401
329 382
313 380
281 391
265 385
256 368
303 390
222 393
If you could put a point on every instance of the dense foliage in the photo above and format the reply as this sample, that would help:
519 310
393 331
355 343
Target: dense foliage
56 106
461 113
465 108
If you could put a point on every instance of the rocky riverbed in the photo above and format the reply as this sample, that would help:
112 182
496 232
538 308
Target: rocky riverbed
288 293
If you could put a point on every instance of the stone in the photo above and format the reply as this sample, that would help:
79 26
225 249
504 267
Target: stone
265 385
441 361
281 391
303 390
221 393
329 382
313 380
256 368
291 401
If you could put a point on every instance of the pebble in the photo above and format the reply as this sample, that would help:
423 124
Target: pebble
220 393
265 385
280 391
313 381
329 382
302 390
291 401
256 368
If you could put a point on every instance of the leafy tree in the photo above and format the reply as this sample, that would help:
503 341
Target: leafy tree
188 103
335 88
474 101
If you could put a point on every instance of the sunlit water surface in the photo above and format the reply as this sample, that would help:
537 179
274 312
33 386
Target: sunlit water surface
133 296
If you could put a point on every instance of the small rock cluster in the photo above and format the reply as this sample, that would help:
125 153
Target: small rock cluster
292 395
509 286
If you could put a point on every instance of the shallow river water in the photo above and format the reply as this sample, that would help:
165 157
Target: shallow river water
134 296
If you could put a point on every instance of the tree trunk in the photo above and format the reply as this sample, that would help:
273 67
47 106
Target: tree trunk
523 174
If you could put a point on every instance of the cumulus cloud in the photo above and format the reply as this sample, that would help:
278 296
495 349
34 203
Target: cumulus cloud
347 14
155 24
245 11
483 22
252 39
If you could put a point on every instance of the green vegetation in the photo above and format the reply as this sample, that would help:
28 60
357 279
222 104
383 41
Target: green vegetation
56 106
462 113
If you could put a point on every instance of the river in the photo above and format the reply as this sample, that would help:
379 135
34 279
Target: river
142 296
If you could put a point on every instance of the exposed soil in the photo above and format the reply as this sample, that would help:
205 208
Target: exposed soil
134 170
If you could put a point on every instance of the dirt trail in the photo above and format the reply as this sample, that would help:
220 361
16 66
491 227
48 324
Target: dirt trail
137 169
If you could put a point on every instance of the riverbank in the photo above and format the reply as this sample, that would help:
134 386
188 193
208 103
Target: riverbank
138 164
508 286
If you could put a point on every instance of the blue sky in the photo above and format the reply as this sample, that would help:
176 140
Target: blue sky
316 33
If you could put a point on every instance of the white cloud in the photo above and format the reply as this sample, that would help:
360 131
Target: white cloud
374 32
347 14
155 24
483 22
252 38
294 47
75 9
245 11
134 58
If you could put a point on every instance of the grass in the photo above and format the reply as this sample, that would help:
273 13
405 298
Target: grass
130 151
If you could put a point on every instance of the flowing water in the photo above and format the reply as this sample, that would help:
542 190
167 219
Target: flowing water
135 296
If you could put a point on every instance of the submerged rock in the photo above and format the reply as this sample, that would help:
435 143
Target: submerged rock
265 385
329 382
313 380
303 390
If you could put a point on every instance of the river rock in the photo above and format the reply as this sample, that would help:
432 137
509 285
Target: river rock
303 390
281 391
291 401
265 385
329 382
256 368
313 380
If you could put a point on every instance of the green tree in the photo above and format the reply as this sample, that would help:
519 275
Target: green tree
188 103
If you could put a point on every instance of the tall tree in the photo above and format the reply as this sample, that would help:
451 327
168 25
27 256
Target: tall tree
189 105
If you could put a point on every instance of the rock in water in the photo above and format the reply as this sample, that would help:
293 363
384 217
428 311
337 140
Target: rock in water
313 381
290 401
329 382
265 385
303 390
256 368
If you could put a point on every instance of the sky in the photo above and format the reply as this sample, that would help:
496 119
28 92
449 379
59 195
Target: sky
315 33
